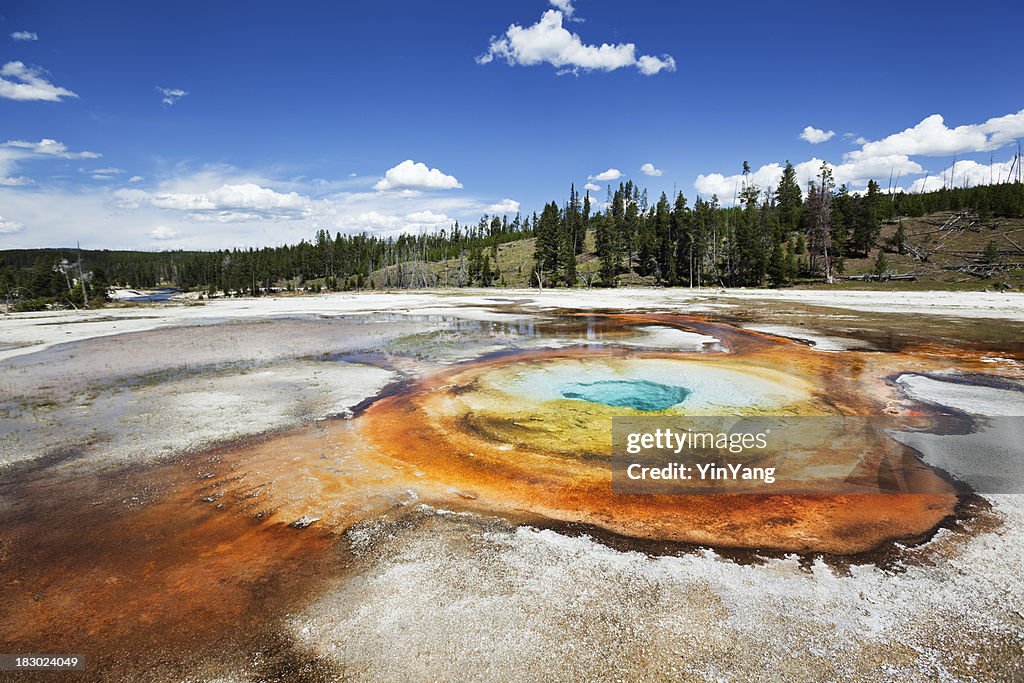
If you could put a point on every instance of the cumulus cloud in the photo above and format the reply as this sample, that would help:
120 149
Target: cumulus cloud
547 41
387 223
649 169
228 203
964 173
428 218
26 36
504 206
410 175
375 220
606 176
9 227
236 208
27 84
162 232
892 156
592 187
931 137
171 95
14 152
850 173
649 66
565 7
815 135
135 179
728 187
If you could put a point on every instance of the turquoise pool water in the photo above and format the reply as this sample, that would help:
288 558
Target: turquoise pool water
638 394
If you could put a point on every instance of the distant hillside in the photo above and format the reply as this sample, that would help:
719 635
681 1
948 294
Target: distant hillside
967 238
942 244
951 248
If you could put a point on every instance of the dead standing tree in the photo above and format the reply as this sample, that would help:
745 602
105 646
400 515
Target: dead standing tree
819 204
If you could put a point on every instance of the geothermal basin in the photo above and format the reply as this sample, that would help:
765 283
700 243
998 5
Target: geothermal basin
279 491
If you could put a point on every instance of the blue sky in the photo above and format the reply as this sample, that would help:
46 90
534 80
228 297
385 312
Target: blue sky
195 125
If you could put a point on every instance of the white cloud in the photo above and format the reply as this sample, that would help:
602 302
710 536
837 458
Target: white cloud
135 179
410 175
235 209
102 173
428 218
549 42
49 147
850 173
504 206
649 169
162 232
229 203
25 35
892 156
27 84
966 172
816 135
606 176
9 227
649 66
565 6
375 220
391 224
592 187
728 187
13 152
931 137
171 95
860 171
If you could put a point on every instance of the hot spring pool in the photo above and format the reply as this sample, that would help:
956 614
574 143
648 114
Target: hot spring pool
636 394
691 387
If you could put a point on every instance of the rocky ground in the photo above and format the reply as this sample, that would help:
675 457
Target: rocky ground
143 395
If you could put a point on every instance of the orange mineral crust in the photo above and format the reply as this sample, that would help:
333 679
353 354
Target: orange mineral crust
551 458
139 562
494 435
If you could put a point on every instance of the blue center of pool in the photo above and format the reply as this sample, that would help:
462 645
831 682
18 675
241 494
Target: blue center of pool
638 394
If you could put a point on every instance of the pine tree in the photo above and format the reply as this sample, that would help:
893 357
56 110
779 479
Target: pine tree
789 199
867 224
819 223
665 240
607 238
630 224
547 251
683 242
777 270
585 221
881 265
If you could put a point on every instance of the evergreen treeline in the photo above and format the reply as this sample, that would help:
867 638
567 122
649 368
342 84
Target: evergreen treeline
771 236
31 279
